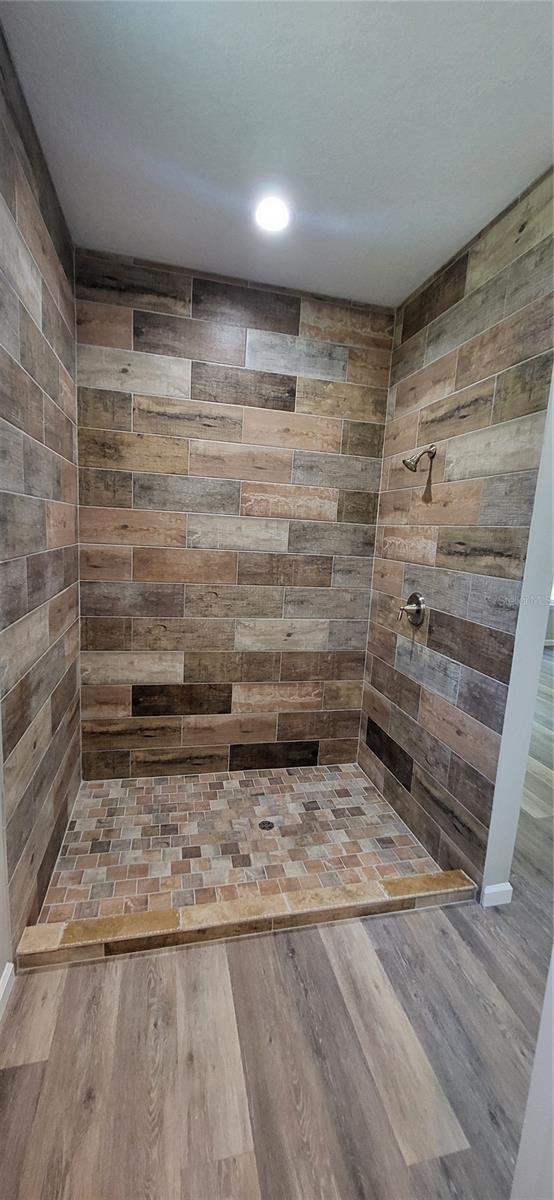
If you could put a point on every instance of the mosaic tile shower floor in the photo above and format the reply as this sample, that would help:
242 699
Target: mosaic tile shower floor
137 845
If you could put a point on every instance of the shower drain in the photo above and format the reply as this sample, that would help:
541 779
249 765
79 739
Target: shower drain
267 825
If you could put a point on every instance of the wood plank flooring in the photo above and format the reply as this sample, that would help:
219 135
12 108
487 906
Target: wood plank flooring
379 1059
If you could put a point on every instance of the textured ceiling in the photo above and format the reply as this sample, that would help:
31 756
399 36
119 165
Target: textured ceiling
396 130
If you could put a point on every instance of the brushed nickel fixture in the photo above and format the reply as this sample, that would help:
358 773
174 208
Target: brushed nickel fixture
414 607
412 462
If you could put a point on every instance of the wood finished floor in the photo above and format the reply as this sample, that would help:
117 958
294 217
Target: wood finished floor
381 1059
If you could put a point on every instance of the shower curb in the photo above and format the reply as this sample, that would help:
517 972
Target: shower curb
97 938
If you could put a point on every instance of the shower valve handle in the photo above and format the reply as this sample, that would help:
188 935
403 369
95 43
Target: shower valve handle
414 609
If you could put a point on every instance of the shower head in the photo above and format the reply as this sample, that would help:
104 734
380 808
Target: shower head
412 462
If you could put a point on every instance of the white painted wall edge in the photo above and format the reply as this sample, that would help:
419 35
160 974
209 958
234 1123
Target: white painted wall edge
7 980
524 678
496 893
533 1178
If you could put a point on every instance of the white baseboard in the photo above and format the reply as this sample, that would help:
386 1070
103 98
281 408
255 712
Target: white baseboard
7 980
496 893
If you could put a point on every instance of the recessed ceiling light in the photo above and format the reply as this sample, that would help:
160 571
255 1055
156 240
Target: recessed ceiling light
272 214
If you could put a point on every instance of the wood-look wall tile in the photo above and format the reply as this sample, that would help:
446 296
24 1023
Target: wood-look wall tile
529 277
238 533
20 397
370 366
22 763
235 385
181 699
324 398
183 634
347 635
401 433
182 493
222 728
407 543
21 705
268 427
186 566
337 750
129 733
113 280
114 450
470 739
186 418
452 818
435 672
336 470
59 430
483 698
106 633
362 438
192 761
106 562
384 611
462 412
225 460
11 459
494 602
19 265
342 693
132 371
389 752
63 611
132 599
323 664
336 321
339 603
251 307
508 499
474 791
422 745
380 640
351 572
159 669
477 311
509 446
181 337
36 356
109 489
395 475
283 352
99 409
523 389
275 500
9 314
483 551
21 645
107 764
43 471
408 357
395 686
22 525
446 590
276 697
444 290
388 576
13 591
523 335
376 706
360 507
272 755
61 524
295 726
127 526
266 634
307 537
104 702
220 600
523 226
476 646
104 324
67 394
429 384
65 692
248 666
297 570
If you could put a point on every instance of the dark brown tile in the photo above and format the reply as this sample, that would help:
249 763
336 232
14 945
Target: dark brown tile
234 667
417 819
276 754
231 385
132 599
113 280
158 700
107 764
395 686
250 307
325 664
183 761
471 788
390 753
444 290
486 650
106 633
459 825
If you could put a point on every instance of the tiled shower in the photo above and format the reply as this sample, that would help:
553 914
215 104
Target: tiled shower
219 464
